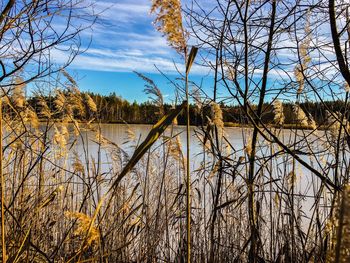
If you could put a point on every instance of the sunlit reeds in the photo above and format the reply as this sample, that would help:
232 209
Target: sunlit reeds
72 193
169 22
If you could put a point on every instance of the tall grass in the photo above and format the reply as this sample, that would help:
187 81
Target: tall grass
3 242
70 193
74 195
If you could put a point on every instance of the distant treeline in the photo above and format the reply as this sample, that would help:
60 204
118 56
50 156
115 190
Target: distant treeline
114 109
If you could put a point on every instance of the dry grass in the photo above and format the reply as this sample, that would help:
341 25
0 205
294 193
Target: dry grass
71 194
57 207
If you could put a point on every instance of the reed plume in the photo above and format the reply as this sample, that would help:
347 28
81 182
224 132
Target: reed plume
339 228
44 108
334 123
60 100
130 134
197 96
304 57
230 71
169 21
311 122
90 103
77 164
69 78
60 138
31 118
155 95
278 111
300 115
248 147
85 228
175 151
216 117
18 93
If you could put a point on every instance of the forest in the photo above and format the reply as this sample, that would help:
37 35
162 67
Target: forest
114 109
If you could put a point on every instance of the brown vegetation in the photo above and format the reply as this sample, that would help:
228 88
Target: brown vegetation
69 194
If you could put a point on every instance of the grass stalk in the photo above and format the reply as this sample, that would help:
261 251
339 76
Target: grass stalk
188 175
189 63
3 241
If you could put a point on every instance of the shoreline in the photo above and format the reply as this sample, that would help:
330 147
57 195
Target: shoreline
226 125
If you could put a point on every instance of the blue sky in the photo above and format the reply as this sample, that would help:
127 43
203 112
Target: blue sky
123 40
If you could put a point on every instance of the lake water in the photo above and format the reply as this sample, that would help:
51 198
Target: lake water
306 184
120 134
237 137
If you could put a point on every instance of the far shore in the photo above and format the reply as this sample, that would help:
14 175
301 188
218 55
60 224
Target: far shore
227 125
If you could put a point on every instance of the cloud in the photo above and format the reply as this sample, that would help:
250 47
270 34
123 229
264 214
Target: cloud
124 61
124 12
123 40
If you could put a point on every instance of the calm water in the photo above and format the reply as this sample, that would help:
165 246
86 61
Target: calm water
118 134
237 137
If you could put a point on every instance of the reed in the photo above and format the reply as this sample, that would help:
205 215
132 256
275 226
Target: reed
72 192
71 201
3 233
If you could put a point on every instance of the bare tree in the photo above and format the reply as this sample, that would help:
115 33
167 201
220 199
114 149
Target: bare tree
259 53
33 36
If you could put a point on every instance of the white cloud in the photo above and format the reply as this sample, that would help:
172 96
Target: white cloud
123 61
124 39
122 12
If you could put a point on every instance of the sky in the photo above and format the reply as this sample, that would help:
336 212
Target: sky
124 40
